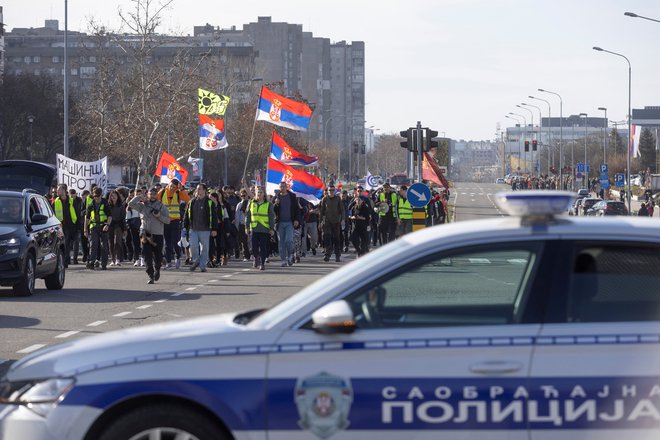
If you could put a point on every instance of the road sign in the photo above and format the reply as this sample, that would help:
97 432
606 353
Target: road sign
578 175
605 183
603 168
619 179
419 195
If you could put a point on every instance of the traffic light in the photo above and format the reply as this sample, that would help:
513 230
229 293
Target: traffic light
526 146
411 139
534 145
430 143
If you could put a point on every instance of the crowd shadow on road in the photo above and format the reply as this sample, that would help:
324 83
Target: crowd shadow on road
10 321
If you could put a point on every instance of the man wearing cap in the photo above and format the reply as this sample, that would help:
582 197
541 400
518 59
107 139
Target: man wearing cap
387 222
172 198
154 216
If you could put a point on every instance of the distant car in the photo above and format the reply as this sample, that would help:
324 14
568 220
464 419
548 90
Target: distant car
399 179
583 192
588 203
499 180
607 208
576 207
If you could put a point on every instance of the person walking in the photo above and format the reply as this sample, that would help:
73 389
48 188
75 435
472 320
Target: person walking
404 212
312 226
66 214
361 217
260 218
116 231
78 208
332 215
240 221
286 217
133 223
387 222
97 224
172 197
201 219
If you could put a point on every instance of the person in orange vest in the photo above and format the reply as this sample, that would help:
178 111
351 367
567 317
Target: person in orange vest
172 197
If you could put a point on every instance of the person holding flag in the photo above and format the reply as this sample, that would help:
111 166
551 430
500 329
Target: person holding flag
286 216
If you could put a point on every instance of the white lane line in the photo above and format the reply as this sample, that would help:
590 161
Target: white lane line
146 306
227 276
191 288
479 260
160 301
119 315
178 294
213 281
245 270
200 285
96 323
31 348
67 334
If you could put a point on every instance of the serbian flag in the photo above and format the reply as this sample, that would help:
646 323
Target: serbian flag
282 111
636 131
168 168
211 133
301 183
281 151
431 171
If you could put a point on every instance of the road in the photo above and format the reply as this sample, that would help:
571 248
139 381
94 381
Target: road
101 301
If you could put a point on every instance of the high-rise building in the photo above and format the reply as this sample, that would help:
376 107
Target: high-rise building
2 45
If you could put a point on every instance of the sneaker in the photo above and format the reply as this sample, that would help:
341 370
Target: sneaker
326 258
337 259
157 275
104 268
151 280
298 259
262 267
246 260
313 251
267 260
117 263
136 263
289 261
202 269
188 262
141 261
284 264
112 263
194 266
177 263
90 266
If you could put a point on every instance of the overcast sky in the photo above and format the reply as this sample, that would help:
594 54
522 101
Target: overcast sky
458 66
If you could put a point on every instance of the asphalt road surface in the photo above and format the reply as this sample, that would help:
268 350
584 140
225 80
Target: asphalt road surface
475 201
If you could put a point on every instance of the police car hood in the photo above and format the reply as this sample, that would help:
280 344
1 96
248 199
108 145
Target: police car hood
156 341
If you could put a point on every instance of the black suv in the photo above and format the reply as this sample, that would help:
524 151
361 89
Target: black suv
31 242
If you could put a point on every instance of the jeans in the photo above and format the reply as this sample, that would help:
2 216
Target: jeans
285 236
197 239
313 230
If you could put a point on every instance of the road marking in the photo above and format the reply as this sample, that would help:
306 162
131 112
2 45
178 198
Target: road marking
119 315
213 281
160 301
31 348
245 270
227 276
200 285
178 294
146 306
191 288
96 323
479 260
67 334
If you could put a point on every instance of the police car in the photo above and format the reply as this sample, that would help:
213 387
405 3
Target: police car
535 326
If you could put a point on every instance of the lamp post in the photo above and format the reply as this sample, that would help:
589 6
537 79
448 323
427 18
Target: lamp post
30 119
531 113
599 49
586 174
524 135
561 135
632 14
66 80
325 127
519 140
549 132
604 135
538 138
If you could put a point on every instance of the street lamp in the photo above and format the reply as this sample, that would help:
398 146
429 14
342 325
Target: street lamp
31 119
549 132
561 135
629 116
538 136
325 127
524 134
632 14
519 139
586 174
604 135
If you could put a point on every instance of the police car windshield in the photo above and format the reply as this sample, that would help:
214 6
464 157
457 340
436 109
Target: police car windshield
367 264
11 210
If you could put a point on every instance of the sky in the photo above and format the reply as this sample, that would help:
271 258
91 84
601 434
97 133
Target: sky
458 66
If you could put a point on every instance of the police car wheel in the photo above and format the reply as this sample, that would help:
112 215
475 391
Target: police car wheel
163 422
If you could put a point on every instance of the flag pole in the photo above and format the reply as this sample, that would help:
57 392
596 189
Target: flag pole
247 157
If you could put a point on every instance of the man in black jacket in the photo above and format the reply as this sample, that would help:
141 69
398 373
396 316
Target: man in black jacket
201 219
286 217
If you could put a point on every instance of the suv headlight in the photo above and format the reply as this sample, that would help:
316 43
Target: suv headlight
12 245
38 395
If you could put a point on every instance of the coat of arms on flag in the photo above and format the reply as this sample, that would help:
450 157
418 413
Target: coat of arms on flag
283 111
212 133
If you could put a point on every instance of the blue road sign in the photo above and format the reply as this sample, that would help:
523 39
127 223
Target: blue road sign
603 168
580 168
619 179
605 183
419 195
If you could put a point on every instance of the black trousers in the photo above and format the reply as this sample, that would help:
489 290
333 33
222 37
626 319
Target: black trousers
361 240
243 242
387 228
260 246
69 241
332 236
99 244
153 255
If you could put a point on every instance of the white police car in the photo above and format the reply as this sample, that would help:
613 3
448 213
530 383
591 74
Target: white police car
524 327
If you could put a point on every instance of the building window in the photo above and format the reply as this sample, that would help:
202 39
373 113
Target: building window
74 72
92 59
36 59
56 60
27 60
37 72
87 72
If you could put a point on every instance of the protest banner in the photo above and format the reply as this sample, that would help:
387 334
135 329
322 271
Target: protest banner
81 175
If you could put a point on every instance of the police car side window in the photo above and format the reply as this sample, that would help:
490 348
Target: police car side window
478 287
615 283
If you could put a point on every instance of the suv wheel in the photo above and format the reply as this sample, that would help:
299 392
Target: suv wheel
25 287
55 281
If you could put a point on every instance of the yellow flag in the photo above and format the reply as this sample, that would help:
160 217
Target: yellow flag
210 103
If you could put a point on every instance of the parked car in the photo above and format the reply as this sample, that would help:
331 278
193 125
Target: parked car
588 203
583 192
17 175
608 207
499 180
575 207
31 242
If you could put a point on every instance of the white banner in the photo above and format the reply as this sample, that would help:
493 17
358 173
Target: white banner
81 175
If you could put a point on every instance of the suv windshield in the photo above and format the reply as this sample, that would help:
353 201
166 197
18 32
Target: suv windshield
11 210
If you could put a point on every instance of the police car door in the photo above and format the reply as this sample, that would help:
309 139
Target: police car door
596 365
442 351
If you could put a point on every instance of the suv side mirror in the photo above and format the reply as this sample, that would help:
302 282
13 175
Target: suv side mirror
39 219
335 317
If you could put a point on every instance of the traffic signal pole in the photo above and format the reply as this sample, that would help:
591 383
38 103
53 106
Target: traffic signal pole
420 151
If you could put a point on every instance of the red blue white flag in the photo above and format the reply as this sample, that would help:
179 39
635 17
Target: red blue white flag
211 133
168 168
301 183
281 151
636 131
282 111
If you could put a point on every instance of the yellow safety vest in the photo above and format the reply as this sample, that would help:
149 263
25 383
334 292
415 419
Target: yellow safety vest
88 201
405 210
393 200
173 205
103 218
59 212
259 214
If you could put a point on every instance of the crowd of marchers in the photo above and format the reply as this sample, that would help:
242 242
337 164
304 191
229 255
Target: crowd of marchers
167 227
